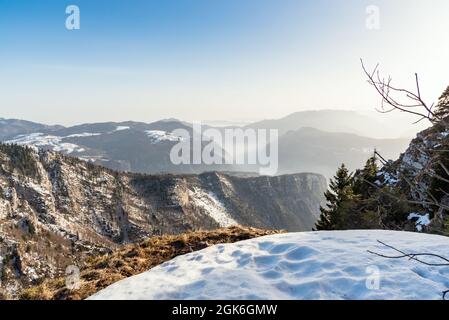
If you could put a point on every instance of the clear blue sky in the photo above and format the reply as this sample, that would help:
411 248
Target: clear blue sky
210 59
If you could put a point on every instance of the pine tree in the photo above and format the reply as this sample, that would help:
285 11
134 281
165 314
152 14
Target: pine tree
365 178
442 108
340 190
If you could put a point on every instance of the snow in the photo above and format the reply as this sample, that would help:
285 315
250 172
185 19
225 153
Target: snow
121 128
82 135
388 179
422 220
39 188
41 140
57 143
31 272
311 265
417 164
159 135
212 206
93 159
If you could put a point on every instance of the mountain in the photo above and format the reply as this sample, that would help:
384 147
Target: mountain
10 128
125 146
313 150
330 121
57 210
311 141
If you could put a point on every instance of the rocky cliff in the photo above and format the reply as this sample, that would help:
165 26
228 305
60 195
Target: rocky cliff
420 175
55 210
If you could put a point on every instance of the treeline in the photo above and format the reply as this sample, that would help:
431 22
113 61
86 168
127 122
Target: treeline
356 201
21 158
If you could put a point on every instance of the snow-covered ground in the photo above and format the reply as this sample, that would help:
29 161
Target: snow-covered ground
158 136
40 140
83 135
121 128
59 143
310 265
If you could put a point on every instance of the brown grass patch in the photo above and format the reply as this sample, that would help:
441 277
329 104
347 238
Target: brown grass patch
102 271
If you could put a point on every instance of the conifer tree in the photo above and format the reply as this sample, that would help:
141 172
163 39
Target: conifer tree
365 178
442 108
340 190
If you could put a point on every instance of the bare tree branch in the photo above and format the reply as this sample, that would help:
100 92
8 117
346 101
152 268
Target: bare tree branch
422 203
393 97
413 256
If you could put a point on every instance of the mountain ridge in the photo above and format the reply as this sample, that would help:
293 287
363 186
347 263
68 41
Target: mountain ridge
145 147
57 210
313 150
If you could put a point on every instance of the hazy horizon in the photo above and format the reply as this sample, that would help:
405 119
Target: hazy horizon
212 61
396 125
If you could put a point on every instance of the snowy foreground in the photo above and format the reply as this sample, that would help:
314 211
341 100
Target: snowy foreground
310 265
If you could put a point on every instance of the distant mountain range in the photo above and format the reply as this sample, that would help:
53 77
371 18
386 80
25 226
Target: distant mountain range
311 141
10 128
125 146
313 150
331 121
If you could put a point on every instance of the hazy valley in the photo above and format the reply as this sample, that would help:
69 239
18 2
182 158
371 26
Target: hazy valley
315 141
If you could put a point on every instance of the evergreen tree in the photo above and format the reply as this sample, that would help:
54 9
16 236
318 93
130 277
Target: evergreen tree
365 178
442 108
340 190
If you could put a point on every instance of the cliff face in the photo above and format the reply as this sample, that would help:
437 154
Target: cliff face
288 202
415 172
55 211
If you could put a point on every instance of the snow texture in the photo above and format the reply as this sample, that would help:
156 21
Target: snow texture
387 179
41 140
212 206
82 135
58 143
158 136
121 128
310 265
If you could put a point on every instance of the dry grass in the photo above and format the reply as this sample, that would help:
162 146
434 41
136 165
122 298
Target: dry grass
102 271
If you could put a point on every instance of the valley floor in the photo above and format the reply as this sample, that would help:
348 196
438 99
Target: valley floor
310 265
